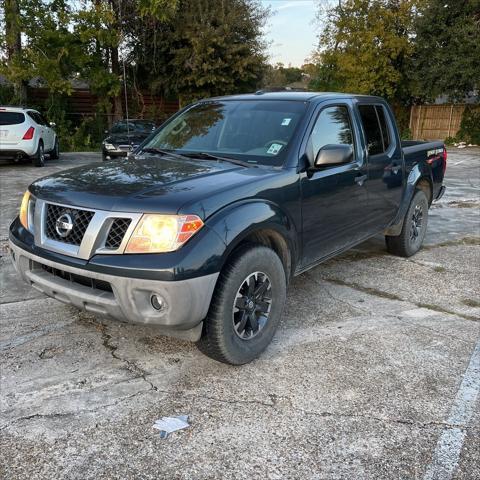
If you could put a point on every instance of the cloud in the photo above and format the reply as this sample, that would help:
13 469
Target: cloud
293 4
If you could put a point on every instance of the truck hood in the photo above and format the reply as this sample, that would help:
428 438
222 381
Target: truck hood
146 184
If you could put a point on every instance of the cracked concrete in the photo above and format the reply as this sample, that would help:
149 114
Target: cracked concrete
358 382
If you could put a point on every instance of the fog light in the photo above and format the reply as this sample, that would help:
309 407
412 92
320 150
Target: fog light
157 302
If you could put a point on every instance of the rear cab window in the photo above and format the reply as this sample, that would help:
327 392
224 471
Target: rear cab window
11 118
375 127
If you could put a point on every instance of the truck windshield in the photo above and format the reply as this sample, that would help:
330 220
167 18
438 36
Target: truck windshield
256 132
132 127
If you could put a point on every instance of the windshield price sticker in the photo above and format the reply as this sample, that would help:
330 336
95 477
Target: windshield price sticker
286 121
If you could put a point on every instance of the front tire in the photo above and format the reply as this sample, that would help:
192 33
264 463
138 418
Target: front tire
39 158
246 307
414 228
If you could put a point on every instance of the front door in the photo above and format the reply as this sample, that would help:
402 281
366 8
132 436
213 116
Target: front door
334 198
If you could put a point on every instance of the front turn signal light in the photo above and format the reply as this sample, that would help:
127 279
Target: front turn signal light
163 233
24 209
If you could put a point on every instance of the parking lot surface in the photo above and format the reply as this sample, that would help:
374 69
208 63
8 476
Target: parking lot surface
373 374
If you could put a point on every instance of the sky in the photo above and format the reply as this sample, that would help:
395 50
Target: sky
290 31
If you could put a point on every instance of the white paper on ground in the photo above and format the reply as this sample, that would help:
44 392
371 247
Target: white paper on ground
167 425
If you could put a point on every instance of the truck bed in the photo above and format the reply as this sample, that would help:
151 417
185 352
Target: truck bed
432 154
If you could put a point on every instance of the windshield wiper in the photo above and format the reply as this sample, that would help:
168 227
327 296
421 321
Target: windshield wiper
210 156
198 155
161 151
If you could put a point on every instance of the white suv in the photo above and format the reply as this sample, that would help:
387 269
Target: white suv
24 133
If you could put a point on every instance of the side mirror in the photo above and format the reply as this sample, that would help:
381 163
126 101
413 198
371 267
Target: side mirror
331 154
53 124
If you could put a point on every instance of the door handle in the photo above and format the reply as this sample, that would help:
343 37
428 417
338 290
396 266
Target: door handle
361 179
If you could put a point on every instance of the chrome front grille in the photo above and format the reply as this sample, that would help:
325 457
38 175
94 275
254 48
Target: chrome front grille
80 220
80 232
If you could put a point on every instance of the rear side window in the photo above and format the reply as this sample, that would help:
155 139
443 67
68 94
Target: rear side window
36 117
372 130
384 127
332 128
11 118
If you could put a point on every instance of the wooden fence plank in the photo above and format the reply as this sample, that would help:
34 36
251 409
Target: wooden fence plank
82 103
435 122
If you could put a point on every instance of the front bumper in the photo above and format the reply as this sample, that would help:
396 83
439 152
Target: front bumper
185 302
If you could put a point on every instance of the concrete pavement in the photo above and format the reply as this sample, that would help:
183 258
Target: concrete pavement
372 375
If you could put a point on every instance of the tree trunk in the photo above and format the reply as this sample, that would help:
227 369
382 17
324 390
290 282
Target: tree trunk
14 43
116 70
117 99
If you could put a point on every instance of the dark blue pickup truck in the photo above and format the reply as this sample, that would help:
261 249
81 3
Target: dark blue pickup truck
200 231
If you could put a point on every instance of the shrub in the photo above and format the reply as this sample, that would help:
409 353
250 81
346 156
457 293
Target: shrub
470 125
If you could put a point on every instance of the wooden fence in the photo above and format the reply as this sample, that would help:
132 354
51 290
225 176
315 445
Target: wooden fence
82 103
435 122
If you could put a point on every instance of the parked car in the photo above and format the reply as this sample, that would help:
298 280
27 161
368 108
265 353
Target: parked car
124 137
202 231
26 134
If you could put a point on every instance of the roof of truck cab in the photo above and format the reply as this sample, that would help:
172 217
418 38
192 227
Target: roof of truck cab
290 95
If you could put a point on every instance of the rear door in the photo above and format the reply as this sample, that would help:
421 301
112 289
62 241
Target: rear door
40 129
49 133
44 128
334 199
385 164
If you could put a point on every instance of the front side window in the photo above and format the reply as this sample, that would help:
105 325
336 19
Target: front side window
257 132
332 127
43 119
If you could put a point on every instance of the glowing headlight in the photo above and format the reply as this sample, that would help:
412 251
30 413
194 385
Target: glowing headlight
109 146
24 209
162 233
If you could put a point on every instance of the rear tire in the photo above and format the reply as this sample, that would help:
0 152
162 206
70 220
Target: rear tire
39 158
55 153
414 228
246 307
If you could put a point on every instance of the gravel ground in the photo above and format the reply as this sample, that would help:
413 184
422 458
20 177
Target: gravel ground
374 373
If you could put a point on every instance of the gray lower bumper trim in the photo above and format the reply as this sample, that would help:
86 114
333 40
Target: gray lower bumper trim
185 303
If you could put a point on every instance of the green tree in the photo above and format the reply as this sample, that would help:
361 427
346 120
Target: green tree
280 76
447 44
208 48
366 47
11 39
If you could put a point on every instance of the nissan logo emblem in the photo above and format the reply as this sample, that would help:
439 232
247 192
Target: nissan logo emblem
64 225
